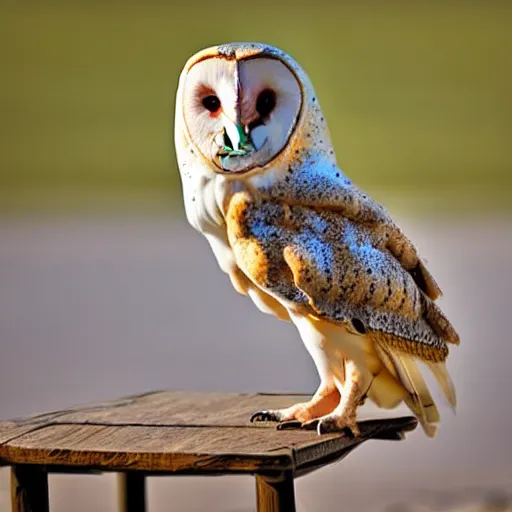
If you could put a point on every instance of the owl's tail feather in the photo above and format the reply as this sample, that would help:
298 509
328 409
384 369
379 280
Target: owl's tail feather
385 390
441 374
417 396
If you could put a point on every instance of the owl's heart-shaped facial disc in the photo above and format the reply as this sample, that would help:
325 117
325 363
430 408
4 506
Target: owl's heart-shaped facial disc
240 113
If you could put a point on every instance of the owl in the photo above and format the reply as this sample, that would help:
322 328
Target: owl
260 181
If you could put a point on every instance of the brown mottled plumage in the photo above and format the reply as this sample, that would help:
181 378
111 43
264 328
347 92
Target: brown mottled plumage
260 181
337 270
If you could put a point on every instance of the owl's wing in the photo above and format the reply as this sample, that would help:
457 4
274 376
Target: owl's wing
324 187
338 270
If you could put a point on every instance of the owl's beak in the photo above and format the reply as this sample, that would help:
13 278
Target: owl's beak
236 141
235 133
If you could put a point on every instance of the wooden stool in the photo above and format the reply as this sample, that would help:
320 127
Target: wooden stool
170 433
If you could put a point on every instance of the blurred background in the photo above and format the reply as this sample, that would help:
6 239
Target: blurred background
101 278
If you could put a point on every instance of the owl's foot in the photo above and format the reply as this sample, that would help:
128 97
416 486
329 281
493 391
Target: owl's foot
325 400
334 422
339 420
343 417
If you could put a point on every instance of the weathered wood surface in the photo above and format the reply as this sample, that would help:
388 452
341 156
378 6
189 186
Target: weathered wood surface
178 432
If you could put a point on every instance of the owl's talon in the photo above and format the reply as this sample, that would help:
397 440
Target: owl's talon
332 424
262 416
310 425
289 425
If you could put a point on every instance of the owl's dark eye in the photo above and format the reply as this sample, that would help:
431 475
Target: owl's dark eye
211 103
266 102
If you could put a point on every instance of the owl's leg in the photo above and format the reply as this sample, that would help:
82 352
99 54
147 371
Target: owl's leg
344 416
327 396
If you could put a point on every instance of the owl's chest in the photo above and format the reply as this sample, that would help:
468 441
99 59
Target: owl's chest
226 260
207 216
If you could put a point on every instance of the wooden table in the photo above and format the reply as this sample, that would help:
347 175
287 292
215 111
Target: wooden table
169 433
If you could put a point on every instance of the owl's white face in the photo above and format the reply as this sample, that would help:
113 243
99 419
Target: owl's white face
240 114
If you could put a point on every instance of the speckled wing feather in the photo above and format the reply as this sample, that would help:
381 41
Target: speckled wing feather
319 184
337 269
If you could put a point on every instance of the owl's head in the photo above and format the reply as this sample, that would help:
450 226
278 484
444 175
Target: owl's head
242 105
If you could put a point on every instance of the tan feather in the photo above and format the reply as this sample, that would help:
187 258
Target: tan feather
431 288
438 321
386 390
419 399
441 374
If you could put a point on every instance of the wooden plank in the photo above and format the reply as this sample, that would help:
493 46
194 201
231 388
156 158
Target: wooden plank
29 489
179 449
132 492
51 417
160 409
176 409
172 449
10 430
275 493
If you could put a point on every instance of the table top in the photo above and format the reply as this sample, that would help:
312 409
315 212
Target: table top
179 432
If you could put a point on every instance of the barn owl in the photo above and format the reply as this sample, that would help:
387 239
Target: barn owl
260 181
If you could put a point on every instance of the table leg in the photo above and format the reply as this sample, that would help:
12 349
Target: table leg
29 489
132 492
275 493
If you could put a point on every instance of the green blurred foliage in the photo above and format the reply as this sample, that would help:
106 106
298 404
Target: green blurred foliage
417 95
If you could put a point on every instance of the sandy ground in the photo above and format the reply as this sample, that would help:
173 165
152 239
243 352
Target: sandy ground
92 309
